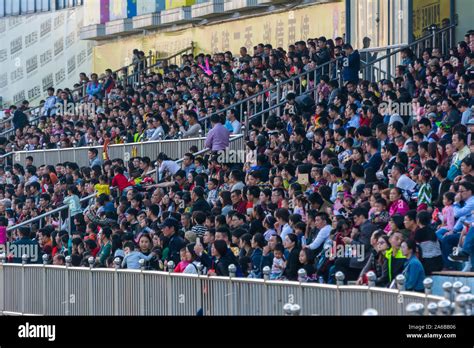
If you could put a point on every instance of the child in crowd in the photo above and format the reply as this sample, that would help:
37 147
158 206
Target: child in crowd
425 192
447 215
279 263
300 207
132 257
181 266
380 216
102 187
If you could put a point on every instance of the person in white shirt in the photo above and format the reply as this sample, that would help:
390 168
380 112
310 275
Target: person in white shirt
49 108
323 224
233 122
398 178
166 166
282 216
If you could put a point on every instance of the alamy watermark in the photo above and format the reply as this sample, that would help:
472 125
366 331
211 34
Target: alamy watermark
234 156
18 250
391 108
356 251
79 109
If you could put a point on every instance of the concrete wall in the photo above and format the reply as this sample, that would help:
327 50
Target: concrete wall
463 10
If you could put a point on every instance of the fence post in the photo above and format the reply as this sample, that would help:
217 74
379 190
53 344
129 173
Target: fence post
302 275
370 312
415 309
24 260
170 267
66 283
432 308
45 262
142 289
456 289
447 289
91 262
461 304
400 280
428 284
266 273
470 298
116 293
117 263
371 278
232 273
339 282
2 283
445 306
295 309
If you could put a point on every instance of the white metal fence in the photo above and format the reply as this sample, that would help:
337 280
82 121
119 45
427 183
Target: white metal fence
59 290
173 148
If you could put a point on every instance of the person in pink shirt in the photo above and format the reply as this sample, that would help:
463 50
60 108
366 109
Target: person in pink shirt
447 215
3 230
398 205
180 267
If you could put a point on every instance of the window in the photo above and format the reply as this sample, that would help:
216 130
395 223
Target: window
2 8
45 5
60 4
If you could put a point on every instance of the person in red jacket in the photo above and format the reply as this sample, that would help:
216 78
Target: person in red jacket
119 180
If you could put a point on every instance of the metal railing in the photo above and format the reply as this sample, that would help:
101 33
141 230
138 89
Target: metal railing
383 67
58 210
236 143
151 62
132 73
274 96
28 289
175 148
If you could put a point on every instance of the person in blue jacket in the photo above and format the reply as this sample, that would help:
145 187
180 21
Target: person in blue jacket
413 270
351 64
257 243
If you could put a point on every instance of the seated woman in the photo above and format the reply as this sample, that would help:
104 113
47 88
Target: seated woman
413 271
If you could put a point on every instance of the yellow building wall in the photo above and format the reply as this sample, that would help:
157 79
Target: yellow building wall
279 29
179 3
427 12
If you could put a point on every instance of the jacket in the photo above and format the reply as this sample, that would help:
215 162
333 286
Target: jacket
293 264
392 266
201 205
351 67
414 274
176 243
221 266
363 239
256 259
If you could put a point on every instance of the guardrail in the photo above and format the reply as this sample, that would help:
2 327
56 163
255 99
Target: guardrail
51 212
28 289
383 67
175 148
236 143
150 62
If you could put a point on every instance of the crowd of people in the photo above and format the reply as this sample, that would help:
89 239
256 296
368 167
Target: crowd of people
345 184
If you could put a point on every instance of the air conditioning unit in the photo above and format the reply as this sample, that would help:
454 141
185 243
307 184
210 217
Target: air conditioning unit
176 15
207 9
236 5
147 21
119 26
93 31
